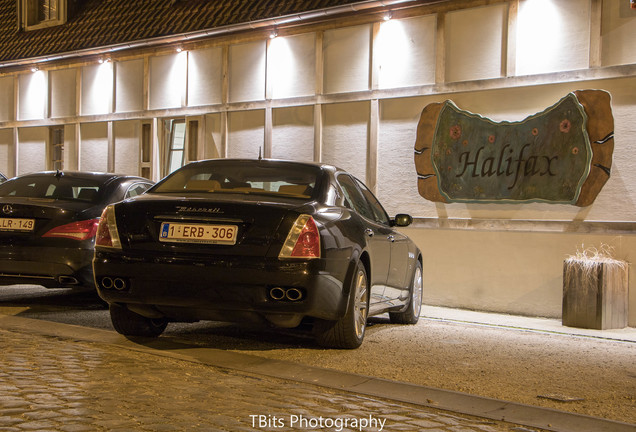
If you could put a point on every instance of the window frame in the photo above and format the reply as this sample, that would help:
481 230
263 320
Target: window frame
28 9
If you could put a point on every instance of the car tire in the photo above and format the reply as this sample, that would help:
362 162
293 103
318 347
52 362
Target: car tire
348 331
412 312
130 323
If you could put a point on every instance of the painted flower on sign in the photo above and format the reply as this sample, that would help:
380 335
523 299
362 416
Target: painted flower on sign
491 139
455 132
535 131
565 126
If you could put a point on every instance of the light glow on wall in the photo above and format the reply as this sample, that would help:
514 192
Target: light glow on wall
33 90
36 94
540 37
282 67
168 79
393 57
178 79
102 89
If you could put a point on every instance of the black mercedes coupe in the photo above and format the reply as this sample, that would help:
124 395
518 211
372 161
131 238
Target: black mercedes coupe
48 222
265 241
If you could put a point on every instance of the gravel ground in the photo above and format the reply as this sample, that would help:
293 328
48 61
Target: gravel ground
584 375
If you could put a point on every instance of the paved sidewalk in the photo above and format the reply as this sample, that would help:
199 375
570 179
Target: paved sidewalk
547 325
52 384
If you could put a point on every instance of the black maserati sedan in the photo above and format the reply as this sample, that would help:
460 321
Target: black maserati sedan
48 222
266 241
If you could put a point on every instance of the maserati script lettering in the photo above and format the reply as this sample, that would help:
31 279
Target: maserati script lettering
215 210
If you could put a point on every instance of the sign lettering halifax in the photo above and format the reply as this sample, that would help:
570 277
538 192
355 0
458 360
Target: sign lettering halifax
547 157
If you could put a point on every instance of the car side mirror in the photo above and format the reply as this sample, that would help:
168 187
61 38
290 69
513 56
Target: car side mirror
402 220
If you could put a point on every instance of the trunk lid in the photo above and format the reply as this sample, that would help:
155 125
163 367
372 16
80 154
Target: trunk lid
143 224
26 220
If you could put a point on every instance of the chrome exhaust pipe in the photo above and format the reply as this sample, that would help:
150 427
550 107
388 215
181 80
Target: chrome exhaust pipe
119 284
293 294
67 280
277 293
107 282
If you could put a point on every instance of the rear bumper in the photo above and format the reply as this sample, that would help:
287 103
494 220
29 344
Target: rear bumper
46 266
222 288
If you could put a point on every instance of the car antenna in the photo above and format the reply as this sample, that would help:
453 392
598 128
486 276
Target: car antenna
259 153
59 174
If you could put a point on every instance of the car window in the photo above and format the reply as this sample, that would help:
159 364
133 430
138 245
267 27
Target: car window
58 188
137 189
239 177
353 197
379 214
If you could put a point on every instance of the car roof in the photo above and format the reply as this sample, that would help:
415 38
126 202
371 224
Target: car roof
99 176
320 165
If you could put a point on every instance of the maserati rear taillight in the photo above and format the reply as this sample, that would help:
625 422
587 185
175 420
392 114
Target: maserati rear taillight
107 234
81 230
303 240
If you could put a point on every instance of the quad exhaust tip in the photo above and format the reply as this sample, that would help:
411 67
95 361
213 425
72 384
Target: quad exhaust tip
286 294
117 283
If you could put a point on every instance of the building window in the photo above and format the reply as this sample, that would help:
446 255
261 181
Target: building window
35 14
175 144
146 150
182 146
56 148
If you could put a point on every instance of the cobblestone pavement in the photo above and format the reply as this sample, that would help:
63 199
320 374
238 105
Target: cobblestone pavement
55 384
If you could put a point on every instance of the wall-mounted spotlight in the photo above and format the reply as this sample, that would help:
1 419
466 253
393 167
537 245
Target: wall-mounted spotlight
179 49
34 69
273 34
387 16
103 60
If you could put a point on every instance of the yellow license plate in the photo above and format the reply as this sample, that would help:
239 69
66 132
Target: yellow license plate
198 233
16 224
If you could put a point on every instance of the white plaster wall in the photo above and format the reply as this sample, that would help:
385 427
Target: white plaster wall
292 66
97 89
94 147
212 142
405 52
32 149
474 42
618 30
127 147
345 137
346 59
293 133
168 80
247 72
6 142
246 134
6 99
205 76
32 91
552 36
129 85
508 272
397 178
63 91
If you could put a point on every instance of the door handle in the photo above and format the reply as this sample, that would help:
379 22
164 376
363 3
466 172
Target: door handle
369 232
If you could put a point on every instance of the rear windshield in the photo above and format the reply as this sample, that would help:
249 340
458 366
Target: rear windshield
244 177
63 188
